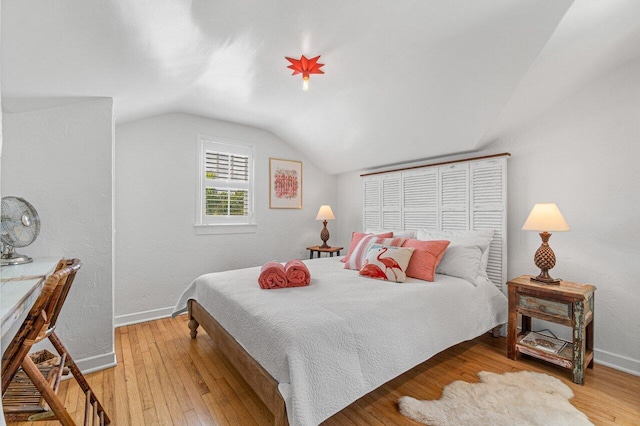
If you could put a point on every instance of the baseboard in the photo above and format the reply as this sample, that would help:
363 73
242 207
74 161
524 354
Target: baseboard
617 362
143 316
97 363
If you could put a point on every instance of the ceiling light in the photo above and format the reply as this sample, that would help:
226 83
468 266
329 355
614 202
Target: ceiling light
306 67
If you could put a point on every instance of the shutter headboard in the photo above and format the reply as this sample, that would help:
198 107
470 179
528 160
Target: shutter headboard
461 195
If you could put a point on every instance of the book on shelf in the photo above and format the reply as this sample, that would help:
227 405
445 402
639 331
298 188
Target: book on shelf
543 343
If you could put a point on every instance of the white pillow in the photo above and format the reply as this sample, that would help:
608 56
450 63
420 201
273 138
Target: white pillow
467 255
396 233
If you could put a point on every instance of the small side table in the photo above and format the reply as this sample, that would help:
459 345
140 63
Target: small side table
318 249
568 304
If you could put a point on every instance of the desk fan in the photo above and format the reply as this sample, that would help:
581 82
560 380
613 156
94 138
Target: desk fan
19 227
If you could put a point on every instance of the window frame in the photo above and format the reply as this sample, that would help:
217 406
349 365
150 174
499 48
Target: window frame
207 224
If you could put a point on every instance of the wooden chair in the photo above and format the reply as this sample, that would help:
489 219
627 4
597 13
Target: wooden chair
28 390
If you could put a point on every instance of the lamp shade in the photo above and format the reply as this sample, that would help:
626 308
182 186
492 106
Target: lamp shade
325 213
545 217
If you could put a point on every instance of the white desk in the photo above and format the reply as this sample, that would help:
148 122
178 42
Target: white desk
20 288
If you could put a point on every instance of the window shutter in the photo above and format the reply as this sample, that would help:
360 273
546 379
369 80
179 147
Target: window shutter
223 166
239 168
488 211
454 196
226 187
222 202
227 184
217 165
371 203
391 202
420 200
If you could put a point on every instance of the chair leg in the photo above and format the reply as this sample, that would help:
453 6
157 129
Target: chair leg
77 374
87 407
47 393
13 355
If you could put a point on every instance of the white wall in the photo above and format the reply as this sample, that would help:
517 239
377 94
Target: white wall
59 159
1 132
583 154
157 251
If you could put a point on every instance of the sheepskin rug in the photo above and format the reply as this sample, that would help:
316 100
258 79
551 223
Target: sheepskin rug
522 398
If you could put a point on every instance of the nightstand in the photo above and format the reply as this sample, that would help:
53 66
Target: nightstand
318 249
568 304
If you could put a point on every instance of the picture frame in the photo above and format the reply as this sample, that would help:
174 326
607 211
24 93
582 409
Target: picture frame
285 184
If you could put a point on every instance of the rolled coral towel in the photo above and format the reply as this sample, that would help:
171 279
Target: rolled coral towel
297 273
272 275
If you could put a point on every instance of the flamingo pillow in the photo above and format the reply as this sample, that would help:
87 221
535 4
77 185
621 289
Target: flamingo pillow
387 263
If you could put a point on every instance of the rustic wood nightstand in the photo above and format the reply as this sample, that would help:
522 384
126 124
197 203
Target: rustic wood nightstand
318 249
568 304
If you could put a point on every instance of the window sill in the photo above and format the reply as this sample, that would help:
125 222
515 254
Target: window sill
232 228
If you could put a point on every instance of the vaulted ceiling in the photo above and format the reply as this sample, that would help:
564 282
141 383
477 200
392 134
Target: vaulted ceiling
405 80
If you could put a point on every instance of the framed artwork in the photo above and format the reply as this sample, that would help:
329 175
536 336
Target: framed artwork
285 184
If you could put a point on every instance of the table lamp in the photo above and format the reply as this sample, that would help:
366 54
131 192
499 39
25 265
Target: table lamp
543 218
325 214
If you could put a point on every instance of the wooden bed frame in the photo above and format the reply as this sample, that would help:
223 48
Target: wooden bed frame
265 386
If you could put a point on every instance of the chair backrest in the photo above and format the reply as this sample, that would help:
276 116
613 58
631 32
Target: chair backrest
75 265
37 320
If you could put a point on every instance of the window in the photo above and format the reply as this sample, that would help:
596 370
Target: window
225 176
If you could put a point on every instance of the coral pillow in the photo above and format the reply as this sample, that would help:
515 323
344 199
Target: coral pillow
356 260
426 257
356 237
387 263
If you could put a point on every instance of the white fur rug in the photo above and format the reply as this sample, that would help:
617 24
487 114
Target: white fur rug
522 398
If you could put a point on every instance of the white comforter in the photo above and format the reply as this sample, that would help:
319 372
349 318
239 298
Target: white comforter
344 335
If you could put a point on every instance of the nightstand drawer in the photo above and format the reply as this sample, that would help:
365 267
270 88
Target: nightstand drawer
544 306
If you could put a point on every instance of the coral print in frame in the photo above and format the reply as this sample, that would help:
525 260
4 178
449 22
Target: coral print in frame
285 184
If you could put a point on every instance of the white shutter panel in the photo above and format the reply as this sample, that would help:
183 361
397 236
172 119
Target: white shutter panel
217 165
420 199
488 211
391 196
239 170
226 167
454 196
371 202
226 202
371 220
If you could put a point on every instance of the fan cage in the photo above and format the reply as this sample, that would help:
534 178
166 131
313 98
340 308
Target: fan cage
20 222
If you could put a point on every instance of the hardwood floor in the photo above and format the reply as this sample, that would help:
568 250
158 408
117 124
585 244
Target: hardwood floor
164 377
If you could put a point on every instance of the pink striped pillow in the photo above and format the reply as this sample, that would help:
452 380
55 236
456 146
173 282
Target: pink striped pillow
359 254
355 239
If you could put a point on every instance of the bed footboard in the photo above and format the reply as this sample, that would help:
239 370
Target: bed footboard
265 386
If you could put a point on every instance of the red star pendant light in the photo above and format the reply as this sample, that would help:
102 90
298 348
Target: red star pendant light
305 67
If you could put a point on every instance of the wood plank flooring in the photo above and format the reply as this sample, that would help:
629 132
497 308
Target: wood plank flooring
164 377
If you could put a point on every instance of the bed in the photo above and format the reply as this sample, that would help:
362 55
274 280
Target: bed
308 352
